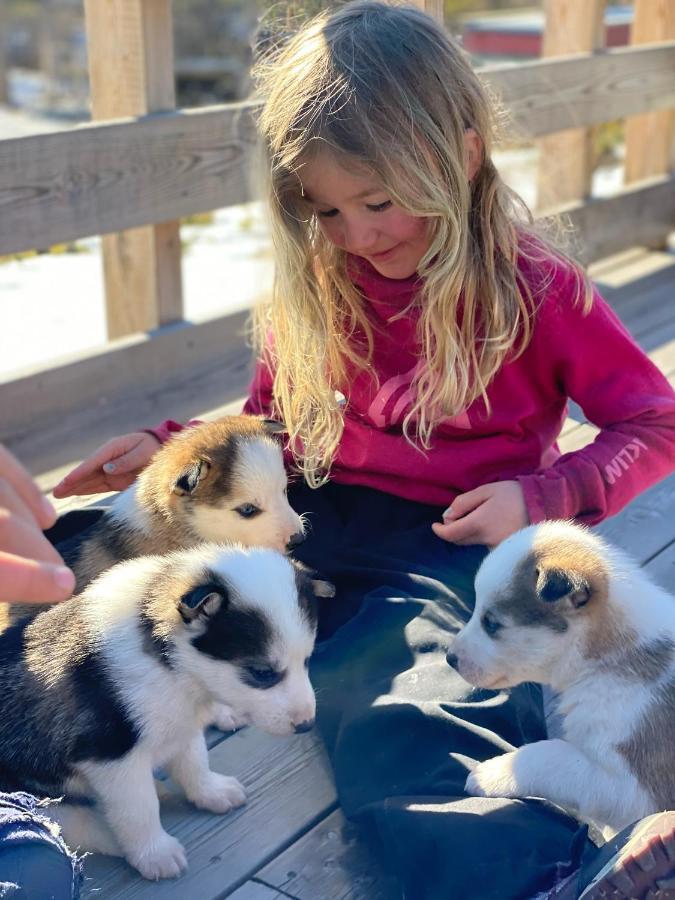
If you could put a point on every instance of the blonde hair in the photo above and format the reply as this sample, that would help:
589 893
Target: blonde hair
383 86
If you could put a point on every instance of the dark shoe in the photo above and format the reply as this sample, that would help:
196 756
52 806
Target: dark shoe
637 864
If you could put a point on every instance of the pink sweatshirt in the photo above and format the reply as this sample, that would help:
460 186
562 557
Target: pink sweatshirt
591 359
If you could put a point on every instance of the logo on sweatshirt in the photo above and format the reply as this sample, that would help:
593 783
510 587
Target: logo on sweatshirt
395 398
623 460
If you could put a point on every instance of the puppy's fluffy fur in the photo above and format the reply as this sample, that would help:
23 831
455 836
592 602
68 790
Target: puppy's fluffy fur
104 688
219 481
556 605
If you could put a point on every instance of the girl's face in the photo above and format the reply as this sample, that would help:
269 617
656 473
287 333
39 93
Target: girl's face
355 213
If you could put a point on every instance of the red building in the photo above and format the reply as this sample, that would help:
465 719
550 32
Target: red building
519 35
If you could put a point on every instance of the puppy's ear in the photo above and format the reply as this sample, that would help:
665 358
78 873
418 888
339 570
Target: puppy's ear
322 588
318 587
190 477
273 426
556 584
204 600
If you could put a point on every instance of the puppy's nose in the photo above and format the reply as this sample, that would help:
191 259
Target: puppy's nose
295 539
451 659
307 725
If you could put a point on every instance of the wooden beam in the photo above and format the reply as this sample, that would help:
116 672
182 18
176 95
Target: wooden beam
551 95
566 160
107 177
130 46
140 363
642 215
650 138
4 90
103 178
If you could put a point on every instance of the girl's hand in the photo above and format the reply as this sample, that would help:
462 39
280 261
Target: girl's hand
30 568
486 515
113 467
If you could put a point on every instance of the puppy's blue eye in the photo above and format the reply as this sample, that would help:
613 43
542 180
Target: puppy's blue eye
248 510
262 677
490 625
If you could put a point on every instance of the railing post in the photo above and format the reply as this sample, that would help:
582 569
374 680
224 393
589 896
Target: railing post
4 92
650 147
433 8
130 47
566 158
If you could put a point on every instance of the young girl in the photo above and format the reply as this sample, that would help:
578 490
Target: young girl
421 345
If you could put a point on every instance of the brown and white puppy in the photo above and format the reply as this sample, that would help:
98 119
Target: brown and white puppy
557 605
101 690
220 481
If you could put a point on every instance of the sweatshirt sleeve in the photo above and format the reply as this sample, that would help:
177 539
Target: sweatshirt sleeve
599 365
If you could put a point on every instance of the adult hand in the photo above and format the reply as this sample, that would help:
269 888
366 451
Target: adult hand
31 570
486 515
113 467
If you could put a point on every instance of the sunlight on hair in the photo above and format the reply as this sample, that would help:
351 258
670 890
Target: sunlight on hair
384 87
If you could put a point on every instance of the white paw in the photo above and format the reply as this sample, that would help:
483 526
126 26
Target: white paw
493 778
225 718
164 857
219 794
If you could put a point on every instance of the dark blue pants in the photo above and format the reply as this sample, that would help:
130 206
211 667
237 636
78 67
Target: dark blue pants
34 862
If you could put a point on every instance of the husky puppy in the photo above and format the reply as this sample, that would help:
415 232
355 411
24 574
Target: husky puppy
102 689
219 481
556 605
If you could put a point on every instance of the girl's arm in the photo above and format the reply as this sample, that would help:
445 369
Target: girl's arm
620 390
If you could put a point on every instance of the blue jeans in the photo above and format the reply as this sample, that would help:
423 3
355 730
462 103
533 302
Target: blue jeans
35 864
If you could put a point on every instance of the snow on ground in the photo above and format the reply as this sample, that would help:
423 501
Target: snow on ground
53 305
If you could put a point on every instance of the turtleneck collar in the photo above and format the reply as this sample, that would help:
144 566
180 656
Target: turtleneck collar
376 286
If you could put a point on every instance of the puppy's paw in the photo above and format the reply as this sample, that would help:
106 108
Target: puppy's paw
219 793
164 857
494 778
225 718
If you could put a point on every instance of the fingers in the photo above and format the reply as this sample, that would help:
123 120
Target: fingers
21 538
112 467
29 581
134 459
465 503
30 568
464 531
89 472
97 483
17 482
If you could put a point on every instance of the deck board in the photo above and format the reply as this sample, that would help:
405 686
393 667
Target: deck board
253 890
330 862
224 851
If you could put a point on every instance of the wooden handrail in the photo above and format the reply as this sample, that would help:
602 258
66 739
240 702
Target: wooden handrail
104 178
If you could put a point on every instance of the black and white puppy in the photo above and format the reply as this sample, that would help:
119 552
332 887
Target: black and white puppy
101 690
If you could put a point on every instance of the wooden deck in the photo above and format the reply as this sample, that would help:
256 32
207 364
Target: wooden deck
291 840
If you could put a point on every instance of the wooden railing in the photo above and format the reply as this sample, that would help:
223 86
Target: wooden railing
145 171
